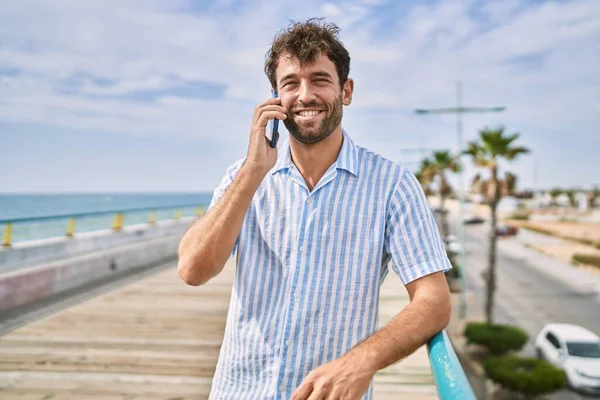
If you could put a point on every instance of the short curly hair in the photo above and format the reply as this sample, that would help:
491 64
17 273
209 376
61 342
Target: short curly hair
306 41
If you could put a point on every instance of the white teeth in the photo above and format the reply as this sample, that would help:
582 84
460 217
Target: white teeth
308 113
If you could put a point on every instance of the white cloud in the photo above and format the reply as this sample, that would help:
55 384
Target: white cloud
403 57
331 10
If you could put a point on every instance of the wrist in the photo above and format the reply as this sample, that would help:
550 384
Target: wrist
251 175
255 169
365 359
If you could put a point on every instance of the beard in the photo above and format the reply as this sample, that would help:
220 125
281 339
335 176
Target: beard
311 133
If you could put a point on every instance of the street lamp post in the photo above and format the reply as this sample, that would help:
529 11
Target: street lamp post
459 110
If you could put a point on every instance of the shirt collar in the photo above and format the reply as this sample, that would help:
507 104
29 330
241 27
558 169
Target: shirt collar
347 159
284 158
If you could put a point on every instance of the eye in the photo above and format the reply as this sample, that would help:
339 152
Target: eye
288 84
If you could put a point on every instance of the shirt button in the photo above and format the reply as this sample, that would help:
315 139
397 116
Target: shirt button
309 200
301 248
288 343
296 295
282 389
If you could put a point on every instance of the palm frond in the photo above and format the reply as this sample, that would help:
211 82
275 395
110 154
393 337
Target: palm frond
513 152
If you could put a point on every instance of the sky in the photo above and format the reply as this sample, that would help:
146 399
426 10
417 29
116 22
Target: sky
157 96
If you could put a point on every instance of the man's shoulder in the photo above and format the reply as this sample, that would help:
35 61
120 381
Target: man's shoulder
385 167
229 175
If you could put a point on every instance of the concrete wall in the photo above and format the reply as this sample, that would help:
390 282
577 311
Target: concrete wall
27 285
32 253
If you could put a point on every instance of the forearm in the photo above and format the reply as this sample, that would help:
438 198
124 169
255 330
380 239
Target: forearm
207 244
410 329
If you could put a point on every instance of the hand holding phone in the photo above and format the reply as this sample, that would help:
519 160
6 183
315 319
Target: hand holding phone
262 147
272 133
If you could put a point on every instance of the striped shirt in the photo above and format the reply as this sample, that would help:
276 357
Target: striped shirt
310 265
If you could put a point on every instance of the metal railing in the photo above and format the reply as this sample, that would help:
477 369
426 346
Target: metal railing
118 221
449 377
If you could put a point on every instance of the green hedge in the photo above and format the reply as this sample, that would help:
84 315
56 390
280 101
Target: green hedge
589 259
521 215
498 339
529 376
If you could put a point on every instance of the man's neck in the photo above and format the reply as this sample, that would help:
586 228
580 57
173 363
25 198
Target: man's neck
313 160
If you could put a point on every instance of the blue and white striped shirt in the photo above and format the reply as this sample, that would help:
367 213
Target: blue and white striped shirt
310 265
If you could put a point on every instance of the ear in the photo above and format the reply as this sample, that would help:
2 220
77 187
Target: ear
347 91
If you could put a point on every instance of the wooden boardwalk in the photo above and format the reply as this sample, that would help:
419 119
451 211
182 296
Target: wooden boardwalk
155 339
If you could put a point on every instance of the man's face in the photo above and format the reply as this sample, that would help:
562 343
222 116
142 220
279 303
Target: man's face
312 96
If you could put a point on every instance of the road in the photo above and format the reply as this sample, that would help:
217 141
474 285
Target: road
528 296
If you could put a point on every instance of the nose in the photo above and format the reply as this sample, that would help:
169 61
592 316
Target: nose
305 93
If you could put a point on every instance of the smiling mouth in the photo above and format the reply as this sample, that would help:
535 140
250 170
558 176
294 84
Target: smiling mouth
308 114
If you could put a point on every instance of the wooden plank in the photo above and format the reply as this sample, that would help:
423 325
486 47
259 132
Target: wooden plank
80 385
411 378
156 339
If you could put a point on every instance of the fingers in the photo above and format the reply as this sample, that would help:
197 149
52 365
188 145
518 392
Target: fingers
303 391
264 113
271 101
265 116
268 108
266 103
317 395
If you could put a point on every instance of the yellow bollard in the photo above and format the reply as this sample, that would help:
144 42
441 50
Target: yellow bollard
71 227
152 218
199 211
118 222
7 234
177 214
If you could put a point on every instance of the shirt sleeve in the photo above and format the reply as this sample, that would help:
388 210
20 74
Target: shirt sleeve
218 193
412 238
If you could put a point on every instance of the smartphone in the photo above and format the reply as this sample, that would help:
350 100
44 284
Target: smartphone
272 133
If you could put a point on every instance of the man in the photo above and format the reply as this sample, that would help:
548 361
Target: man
315 225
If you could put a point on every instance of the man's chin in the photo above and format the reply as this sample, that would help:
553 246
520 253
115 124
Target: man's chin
309 138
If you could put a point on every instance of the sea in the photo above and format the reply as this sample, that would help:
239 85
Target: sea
31 206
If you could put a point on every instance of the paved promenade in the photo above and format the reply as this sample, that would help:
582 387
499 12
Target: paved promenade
155 339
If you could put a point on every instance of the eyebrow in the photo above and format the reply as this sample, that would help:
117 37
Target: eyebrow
322 74
314 74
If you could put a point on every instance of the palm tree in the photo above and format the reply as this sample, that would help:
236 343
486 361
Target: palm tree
593 195
438 166
424 176
476 184
509 184
571 196
554 193
491 146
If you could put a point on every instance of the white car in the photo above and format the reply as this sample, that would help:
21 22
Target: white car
574 349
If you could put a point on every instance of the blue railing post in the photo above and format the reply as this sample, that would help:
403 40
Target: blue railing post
449 377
